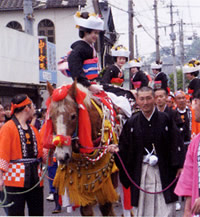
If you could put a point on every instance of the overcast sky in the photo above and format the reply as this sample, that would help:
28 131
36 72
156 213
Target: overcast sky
188 10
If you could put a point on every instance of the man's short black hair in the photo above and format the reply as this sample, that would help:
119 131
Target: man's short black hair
17 100
161 89
146 89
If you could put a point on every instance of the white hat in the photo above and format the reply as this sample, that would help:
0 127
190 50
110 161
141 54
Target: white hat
120 51
134 63
121 102
92 22
156 66
191 67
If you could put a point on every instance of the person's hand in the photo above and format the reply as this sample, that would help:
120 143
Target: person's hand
187 214
95 88
1 184
113 148
196 207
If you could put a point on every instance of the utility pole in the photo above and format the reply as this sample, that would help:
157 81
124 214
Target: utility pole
156 31
98 46
131 34
173 38
181 41
28 16
130 24
136 47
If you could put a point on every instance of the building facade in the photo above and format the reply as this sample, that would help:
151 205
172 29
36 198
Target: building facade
50 18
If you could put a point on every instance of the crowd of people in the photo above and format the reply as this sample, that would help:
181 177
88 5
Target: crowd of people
153 144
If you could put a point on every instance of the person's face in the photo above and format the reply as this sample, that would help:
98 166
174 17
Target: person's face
121 61
160 97
155 71
7 113
31 111
134 70
2 114
188 103
169 102
180 101
189 76
92 37
146 101
196 107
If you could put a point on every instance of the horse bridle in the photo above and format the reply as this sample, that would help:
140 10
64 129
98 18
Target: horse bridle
75 137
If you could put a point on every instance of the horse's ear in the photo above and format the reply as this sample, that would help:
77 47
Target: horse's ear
50 88
73 90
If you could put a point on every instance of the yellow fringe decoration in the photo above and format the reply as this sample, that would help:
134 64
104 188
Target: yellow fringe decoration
107 129
87 183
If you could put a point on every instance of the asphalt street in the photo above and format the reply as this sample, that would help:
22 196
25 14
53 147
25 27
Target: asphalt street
49 206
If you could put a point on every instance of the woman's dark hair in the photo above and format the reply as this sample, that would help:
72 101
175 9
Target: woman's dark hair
83 30
159 70
195 74
159 63
17 100
115 59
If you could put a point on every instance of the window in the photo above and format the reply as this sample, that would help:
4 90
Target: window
14 25
46 28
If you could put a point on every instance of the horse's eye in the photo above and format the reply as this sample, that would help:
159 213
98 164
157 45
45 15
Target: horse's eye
73 117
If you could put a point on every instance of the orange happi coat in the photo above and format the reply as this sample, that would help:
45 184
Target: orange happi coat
10 147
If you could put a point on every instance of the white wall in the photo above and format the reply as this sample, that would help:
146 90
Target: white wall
18 57
65 30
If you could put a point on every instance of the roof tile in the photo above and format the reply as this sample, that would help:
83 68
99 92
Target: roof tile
18 4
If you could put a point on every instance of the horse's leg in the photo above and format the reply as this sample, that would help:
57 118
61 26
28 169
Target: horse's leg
86 210
107 209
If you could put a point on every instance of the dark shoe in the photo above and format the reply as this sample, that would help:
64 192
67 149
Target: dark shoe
57 205
56 210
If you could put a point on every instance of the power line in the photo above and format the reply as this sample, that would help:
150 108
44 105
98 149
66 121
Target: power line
121 9
147 31
189 12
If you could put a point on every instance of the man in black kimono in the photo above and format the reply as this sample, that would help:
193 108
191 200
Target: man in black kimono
186 116
149 148
161 104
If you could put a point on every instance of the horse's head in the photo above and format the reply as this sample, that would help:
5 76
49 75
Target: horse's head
63 111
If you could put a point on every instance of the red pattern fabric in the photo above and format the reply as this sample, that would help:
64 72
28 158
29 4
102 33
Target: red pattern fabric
84 128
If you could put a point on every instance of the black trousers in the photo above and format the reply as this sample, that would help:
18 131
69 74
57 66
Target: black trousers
34 200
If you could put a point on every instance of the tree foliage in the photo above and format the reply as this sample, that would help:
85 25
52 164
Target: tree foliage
179 81
192 51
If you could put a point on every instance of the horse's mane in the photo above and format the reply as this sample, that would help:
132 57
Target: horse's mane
87 100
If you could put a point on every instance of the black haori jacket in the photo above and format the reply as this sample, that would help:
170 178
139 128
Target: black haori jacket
81 51
111 72
168 147
194 86
140 76
164 80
